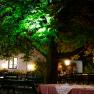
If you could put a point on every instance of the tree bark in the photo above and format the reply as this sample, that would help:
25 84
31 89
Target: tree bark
53 62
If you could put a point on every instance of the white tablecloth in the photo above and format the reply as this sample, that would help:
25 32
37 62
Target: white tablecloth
65 89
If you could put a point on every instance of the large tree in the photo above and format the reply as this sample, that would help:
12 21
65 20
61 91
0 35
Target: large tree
24 26
28 24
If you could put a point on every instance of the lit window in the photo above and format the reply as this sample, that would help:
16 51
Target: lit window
12 63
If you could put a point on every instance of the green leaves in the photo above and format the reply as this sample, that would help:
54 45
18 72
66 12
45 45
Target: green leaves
39 23
24 22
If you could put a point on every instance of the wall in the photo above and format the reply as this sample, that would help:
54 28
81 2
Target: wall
22 66
79 66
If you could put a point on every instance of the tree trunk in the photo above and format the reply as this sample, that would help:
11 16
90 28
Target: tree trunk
52 63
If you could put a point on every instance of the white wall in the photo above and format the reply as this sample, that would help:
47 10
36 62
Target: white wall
22 66
3 63
79 66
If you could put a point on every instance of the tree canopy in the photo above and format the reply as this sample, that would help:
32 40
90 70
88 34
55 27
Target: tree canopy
76 25
25 25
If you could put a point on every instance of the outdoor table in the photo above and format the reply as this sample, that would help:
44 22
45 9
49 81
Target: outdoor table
46 89
81 91
65 89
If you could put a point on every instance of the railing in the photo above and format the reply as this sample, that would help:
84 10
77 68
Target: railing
78 78
17 85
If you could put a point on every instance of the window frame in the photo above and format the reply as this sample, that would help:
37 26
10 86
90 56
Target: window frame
13 64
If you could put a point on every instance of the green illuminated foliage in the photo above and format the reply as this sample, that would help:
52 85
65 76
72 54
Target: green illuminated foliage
39 24
24 24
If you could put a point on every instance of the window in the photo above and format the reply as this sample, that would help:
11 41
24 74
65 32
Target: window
12 63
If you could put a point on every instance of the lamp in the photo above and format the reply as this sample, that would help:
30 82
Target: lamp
67 62
31 67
